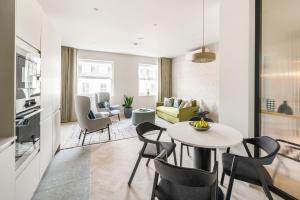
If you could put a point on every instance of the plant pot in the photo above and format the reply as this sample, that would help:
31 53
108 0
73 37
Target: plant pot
127 112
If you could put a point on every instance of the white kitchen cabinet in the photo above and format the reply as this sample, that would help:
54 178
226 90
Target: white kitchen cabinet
50 69
28 180
56 131
7 173
46 144
29 22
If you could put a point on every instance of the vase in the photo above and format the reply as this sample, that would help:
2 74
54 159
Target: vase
127 112
285 108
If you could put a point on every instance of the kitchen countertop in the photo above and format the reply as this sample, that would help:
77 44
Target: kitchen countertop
6 142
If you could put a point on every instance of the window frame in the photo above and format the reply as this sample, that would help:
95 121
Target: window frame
95 77
139 79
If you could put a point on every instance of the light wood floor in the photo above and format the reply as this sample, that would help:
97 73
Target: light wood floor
113 162
101 172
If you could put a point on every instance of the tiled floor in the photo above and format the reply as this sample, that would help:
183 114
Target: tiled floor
101 172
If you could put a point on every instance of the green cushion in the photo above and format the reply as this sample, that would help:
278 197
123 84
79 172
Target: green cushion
168 110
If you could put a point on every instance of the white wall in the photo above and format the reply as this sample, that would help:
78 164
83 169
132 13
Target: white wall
198 81
125 75
237 32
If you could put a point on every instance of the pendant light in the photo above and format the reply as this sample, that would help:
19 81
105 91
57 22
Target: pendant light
203 56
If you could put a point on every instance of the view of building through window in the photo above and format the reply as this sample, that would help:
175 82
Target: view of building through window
94 76
148 80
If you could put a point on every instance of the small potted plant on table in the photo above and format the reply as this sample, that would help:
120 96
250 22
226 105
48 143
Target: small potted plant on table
127 106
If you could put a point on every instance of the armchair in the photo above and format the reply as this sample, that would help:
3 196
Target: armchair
103 105
87 125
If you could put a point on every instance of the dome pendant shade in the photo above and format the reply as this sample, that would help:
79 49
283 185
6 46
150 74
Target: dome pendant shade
204 56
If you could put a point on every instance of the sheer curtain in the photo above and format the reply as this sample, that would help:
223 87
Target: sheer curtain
165 78
68 81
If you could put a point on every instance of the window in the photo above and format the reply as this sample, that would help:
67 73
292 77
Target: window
94 76
148 80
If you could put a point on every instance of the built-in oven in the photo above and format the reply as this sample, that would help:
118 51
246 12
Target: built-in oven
28 77
27 133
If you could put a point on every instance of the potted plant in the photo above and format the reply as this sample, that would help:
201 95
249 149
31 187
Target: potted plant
127 106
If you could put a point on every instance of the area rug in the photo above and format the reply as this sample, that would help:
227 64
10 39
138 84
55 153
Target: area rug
119 130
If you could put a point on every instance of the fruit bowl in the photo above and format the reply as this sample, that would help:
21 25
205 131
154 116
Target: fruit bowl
199 128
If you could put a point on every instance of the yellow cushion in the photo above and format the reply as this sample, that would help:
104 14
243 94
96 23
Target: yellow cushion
168 110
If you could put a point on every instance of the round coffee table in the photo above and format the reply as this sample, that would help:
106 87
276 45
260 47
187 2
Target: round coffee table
218 136
143 115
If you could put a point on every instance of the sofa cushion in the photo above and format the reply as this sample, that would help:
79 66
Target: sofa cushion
168 110
168 102
177 102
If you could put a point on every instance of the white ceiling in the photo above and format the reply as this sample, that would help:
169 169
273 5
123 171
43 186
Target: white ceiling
119 23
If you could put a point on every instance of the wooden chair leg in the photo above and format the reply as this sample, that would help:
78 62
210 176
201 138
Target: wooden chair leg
147 163
181 146
84 134
134 169
188 151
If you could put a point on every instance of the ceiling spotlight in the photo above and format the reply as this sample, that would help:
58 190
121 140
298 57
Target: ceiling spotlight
135 43
154 24
96 9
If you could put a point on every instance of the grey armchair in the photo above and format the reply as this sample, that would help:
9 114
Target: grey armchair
103 105
87 125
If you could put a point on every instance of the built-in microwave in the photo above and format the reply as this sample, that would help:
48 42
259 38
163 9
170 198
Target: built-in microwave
28 77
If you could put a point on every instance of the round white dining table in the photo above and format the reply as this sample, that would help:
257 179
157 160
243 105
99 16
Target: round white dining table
218 136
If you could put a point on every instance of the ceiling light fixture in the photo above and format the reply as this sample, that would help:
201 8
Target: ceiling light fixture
96 9
203 56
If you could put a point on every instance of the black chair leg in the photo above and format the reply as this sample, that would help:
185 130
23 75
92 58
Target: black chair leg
265 185
181 146
215 155
223 173
134 169
222 178
229 190
84 134
175 159
108 132
267 191
80 134
154 186
147 163
188 151
174 152
119 117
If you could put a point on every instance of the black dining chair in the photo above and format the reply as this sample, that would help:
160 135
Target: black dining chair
151 148
251 169
179 183
182 145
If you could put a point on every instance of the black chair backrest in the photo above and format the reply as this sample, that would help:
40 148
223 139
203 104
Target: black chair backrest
185 176
146 127
269 145
188 177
